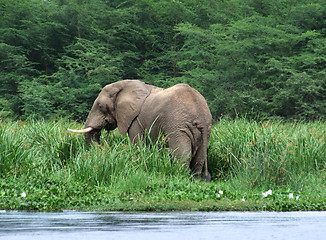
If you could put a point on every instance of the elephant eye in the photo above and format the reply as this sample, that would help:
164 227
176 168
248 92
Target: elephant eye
100 107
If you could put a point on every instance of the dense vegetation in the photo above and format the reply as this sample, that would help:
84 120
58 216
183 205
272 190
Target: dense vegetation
259 58
255 166
262 60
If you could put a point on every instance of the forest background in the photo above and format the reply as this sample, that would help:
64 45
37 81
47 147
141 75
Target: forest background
253 58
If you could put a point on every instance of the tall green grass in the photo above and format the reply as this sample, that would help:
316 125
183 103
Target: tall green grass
58 170
268 153
47 148
13 150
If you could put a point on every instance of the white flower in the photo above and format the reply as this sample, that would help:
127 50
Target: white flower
218 195
23 195
297 198
265 194
243 199
220 192
291 196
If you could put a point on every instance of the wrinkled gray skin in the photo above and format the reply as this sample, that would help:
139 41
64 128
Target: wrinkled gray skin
180 113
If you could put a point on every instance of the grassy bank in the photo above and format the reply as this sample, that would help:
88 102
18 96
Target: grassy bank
44 167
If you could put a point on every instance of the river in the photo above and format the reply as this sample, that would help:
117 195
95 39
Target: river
16 225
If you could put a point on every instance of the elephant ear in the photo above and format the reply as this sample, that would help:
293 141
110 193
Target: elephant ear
129 102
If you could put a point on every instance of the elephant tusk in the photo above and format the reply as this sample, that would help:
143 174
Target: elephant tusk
86 130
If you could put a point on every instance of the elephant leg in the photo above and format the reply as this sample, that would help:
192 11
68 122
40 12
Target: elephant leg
180 144
197 163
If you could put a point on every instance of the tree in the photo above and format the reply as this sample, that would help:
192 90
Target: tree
256 58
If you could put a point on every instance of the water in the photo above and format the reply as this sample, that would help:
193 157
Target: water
173 225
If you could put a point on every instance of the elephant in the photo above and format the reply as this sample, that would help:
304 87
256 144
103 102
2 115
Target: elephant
180 113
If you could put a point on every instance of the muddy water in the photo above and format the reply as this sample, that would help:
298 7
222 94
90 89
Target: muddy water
172 225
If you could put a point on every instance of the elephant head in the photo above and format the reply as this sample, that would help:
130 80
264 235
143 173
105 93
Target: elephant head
117 105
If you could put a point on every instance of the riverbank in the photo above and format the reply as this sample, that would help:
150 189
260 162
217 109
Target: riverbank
255 166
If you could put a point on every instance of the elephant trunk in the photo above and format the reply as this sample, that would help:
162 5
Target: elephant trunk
93 136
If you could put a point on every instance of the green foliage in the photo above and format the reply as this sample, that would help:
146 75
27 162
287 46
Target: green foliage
251 58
